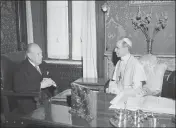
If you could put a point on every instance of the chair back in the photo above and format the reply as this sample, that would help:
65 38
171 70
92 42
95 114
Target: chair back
7 70
168 89
9 63
154 72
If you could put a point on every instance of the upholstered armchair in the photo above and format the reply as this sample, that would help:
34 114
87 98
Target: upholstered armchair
9 98
154 73
168 89
160 80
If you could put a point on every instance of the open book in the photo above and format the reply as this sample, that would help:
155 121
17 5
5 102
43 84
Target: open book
147 103
62 96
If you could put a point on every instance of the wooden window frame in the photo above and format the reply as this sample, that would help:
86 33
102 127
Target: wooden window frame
69 32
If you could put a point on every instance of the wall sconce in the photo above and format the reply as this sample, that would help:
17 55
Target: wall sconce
104 7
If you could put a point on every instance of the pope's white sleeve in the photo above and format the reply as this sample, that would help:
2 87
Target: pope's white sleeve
139 76
115 72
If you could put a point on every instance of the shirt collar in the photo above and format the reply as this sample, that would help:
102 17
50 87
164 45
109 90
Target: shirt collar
126 57
32 63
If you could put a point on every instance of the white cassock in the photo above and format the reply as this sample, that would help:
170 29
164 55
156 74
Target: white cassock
128 75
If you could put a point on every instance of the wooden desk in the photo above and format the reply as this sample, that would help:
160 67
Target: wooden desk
92 83
101 115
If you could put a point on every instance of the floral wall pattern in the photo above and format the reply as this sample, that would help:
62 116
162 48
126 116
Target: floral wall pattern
8 27
119 24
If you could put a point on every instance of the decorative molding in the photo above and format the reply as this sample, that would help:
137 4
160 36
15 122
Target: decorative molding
150 2
66 62
169 60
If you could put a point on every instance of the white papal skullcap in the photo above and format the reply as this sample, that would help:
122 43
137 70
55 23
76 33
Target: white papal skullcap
128 41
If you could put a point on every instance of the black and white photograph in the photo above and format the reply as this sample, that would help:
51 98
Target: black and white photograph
73 63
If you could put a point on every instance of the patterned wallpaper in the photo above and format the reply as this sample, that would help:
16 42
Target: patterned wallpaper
118 24
8 27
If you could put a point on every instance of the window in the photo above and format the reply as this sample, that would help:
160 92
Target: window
64 30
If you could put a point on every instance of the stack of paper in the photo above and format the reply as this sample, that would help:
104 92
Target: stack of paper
62 96
158 105
123 100
147 103
119 101
134 103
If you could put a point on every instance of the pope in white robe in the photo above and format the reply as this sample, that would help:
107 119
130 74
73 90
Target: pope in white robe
129 74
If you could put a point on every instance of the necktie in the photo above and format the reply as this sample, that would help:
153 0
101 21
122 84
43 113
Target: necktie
38 69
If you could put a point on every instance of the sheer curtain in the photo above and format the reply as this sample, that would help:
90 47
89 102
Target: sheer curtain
76 30
57 30
89 40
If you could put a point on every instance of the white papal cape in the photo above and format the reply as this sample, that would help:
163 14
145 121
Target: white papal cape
132 75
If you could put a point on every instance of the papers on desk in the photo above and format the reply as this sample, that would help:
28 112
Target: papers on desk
147 103
119 102
62 96
159 105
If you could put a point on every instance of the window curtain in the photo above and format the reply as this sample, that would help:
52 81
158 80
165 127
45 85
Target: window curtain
76 29
57 30
29 23
89 40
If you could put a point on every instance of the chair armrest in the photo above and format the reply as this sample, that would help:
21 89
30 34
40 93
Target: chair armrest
106 85
24 94
156 94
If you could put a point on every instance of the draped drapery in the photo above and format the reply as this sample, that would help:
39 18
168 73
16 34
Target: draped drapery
89 45
29 22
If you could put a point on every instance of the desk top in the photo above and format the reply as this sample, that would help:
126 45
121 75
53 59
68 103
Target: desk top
58 114
91 81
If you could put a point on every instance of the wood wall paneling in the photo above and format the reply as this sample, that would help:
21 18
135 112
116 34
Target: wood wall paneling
37 8
21 25
100 26
65 74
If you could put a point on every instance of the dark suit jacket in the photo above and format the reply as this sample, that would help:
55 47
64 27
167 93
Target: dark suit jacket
27 79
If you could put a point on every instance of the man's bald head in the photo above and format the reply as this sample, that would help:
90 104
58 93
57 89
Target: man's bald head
34 53
32 47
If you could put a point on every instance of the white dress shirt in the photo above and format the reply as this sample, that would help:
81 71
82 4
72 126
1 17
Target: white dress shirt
37 67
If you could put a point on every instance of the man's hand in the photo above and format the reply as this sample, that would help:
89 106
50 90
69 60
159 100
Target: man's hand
113 88
47 82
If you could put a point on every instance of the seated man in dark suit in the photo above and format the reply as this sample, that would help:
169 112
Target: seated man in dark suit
33 76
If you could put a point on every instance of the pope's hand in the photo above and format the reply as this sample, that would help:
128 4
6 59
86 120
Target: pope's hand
47 82
112 88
